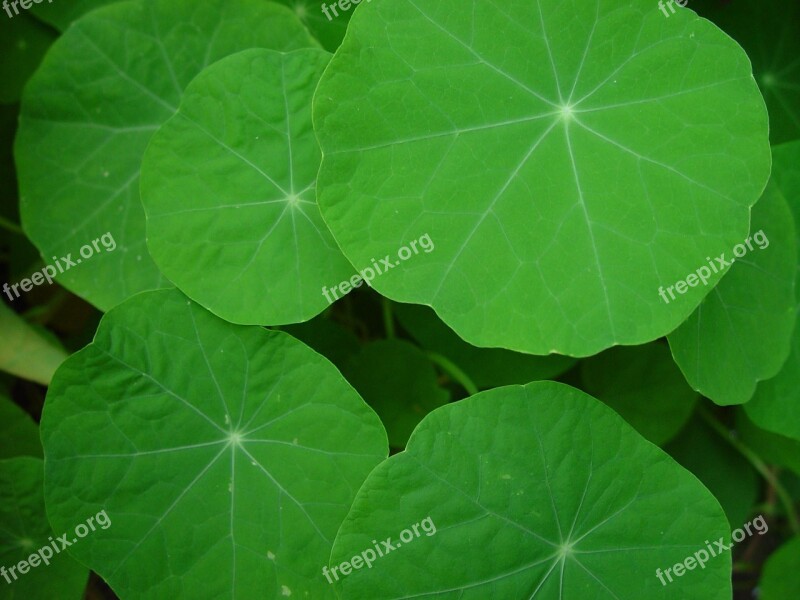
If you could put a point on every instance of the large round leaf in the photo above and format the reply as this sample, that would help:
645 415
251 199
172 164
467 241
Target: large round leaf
24 530
566 159
107 84
534 492
643 385
228 190
226 456
741 332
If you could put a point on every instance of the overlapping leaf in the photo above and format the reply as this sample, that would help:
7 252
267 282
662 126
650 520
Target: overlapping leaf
768 32
19 433
111 80
487 367
228 190
229 455
328 26
643 385
27 352
530 499
781 576
61 14
776 403
724 471
741 332
23 42
24 530
399 382
565 168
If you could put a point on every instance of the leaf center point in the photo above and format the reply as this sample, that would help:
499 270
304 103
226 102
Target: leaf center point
235 438
565 549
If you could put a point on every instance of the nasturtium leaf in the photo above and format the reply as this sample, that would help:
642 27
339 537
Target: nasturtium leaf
780 579
330 29
229 455
486 367
228 190
111 80
327 337
23 42
60 14
741 332
768 33
24 530
18 432
399 382
643 385
25 351
566 159
776 403
724 471
535 492
773 448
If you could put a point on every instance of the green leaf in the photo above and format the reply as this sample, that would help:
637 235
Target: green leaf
24 530
776 403
61 14
741 333
114 77
25 352
560 179
19 433
487 367
23 42
721 469
229 455
643 385
771 447
399 382
528 496
329 31
228 190
768 33
780 579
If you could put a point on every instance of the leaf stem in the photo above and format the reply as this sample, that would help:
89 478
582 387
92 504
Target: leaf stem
388 318
11 226
454 372
759 465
